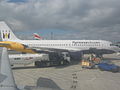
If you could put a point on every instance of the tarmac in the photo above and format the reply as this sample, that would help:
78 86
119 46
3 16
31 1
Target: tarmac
71 77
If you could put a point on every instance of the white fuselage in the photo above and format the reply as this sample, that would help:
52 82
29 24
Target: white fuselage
70 45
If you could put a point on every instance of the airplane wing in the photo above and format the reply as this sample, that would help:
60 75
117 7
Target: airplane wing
2 77
45 49
6 77
84 50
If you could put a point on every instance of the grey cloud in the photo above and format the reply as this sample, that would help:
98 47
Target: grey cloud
96 17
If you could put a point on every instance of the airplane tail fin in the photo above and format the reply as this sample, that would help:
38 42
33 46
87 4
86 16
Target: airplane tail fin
37 37
6 32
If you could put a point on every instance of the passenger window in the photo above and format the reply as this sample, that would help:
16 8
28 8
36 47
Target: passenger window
17 58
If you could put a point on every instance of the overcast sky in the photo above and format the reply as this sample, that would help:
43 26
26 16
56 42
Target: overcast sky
67 19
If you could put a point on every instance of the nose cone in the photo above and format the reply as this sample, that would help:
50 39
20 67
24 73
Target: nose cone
116 49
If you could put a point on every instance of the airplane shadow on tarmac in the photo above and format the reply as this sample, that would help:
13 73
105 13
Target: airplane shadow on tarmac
44 84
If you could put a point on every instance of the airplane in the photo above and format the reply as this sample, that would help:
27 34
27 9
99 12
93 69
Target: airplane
99 47
7 81
37 36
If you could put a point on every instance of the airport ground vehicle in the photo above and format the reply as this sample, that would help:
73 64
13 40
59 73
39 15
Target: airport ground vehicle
107 66
54 60
89 61
40 60
87 64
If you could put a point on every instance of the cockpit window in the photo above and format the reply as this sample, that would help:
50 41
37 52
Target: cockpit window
115 45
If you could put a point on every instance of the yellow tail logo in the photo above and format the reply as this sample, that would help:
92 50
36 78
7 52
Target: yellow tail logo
6 35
